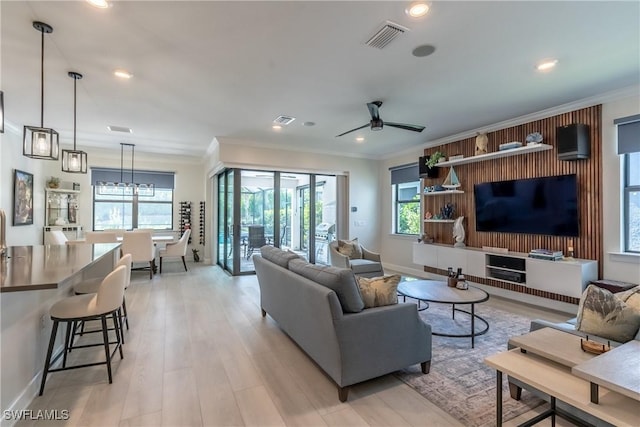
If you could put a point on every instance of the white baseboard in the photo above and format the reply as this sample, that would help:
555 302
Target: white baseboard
23 401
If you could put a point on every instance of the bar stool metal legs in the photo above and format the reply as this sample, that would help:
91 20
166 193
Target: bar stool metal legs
68 345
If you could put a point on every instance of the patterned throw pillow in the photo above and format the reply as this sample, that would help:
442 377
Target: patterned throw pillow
604 314
379 291
350 248
631 297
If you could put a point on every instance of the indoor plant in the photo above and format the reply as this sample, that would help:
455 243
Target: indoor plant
435 158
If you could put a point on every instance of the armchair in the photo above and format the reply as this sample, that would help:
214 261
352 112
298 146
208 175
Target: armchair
176 249
366 265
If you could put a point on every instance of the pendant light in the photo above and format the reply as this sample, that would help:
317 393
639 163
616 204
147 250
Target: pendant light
74 161
41 142
123 188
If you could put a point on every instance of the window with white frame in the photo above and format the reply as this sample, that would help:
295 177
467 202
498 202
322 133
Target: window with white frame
629 148
405 188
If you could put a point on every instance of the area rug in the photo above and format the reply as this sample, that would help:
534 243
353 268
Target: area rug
459 382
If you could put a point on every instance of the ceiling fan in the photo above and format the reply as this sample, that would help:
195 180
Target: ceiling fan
376 122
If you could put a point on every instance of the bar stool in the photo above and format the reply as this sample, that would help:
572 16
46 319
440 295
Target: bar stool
106 302
91 286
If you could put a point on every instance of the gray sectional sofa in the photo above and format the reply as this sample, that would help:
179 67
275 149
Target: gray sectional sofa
321 309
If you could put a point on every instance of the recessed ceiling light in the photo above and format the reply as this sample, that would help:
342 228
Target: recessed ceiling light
276 127
101 4
417 10
547 64
123 74
360 139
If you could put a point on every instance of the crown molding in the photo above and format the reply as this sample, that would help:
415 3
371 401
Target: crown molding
603 98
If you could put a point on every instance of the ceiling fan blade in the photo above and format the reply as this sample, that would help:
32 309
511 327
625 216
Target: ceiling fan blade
353 130
414 128
373 109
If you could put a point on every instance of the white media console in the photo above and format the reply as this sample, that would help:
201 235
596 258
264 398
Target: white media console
565 277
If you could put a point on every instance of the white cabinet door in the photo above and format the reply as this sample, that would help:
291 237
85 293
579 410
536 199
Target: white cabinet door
561 277
425 254
476 263
452 257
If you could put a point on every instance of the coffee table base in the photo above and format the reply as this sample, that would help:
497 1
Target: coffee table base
473 333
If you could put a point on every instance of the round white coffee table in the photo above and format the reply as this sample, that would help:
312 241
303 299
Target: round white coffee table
438 292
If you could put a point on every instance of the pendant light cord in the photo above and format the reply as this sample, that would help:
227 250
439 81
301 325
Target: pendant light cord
75 82
42 80
121 162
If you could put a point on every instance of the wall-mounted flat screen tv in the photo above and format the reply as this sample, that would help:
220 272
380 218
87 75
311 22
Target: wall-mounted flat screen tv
546 205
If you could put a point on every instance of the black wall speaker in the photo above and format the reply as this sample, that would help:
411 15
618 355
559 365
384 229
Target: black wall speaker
572 142
424 170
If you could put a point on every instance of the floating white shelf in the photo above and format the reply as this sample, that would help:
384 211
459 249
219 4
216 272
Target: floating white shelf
438 193
440 220
497 154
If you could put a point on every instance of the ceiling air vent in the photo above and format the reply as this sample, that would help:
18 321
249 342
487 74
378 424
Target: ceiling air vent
283 120
384 36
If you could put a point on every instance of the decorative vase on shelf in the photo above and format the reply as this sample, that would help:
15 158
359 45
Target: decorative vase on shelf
482 142
53 182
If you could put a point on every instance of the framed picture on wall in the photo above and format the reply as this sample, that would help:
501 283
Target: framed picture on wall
22 198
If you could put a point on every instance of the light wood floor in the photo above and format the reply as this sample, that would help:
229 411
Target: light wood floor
199 353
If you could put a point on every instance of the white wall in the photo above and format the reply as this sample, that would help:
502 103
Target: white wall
11 158
396 250
616 267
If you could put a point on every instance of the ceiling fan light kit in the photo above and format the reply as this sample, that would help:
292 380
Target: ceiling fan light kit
39 142
376 123
74 161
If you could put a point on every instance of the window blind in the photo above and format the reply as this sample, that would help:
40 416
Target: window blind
405 173
158 179
628 134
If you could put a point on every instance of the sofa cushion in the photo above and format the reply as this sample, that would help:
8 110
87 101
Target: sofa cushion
604 314
379 291
277 256
350 248
360 266
340 280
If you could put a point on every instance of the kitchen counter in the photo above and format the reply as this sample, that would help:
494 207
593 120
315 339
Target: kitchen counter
29 268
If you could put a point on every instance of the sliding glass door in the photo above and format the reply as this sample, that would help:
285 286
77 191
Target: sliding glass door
293 211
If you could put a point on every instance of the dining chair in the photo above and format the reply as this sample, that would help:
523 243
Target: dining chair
176 249
57 237
100 237
141 247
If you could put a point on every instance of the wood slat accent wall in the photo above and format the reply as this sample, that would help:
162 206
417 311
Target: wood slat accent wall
588 245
